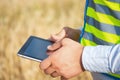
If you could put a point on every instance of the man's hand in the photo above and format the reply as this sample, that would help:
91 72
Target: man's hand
64 60
66 32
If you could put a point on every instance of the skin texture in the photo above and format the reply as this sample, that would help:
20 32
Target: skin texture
65 55
66 32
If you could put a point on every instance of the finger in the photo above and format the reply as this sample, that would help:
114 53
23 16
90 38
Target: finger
61 35
49 70
53 38
45 63
63 78
58 36
55 46
55 74
50 52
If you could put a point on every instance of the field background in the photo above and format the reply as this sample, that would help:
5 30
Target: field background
21 18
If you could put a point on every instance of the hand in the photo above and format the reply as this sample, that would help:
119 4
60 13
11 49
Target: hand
64 59
66 32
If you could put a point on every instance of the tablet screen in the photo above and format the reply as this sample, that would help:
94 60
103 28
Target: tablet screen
35 48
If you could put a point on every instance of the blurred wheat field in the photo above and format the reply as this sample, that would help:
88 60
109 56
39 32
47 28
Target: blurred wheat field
21 18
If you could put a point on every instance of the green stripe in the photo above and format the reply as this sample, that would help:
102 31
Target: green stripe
112 5
86 42
115 75
103 18
108 37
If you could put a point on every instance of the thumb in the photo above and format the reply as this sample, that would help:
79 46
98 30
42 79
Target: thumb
59 36
54 46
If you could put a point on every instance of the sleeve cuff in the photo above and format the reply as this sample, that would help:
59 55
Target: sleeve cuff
95 58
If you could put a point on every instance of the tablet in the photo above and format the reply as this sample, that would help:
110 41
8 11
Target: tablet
35 48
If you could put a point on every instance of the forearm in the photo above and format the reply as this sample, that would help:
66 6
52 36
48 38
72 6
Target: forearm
73 34
102 58
76 34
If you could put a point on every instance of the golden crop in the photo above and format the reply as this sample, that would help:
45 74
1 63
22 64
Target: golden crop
21 18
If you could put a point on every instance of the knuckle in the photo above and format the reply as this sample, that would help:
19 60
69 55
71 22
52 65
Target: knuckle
65 41
46 71
62 72
66 75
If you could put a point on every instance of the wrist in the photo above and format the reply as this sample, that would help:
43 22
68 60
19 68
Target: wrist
81 64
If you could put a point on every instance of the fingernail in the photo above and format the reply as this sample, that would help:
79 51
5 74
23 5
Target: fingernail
49 47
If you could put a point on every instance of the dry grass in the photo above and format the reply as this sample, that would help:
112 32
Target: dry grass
21 18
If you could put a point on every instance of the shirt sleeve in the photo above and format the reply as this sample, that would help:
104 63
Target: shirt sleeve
101 58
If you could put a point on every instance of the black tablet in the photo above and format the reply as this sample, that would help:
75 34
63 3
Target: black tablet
35 48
